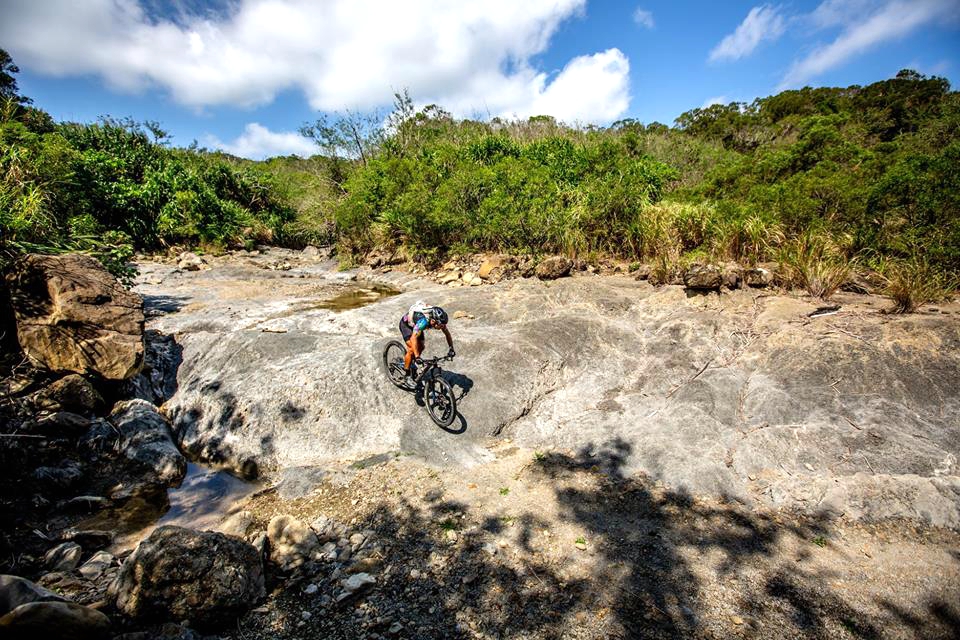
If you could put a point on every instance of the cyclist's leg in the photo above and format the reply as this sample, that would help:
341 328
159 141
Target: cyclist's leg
406 331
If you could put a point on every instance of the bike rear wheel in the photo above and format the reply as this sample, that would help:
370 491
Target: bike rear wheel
440 401
393 355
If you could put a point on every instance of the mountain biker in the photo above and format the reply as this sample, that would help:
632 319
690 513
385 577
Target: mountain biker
418 319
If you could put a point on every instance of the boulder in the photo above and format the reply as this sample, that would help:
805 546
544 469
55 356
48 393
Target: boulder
553 268
70 393
292 542
178 574
73 315
450 276
146 440
642 272
189 261
496 267
758 277
731 274
63 557
15 591
62 620
703 277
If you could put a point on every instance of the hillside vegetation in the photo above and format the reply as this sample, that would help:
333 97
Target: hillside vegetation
822 180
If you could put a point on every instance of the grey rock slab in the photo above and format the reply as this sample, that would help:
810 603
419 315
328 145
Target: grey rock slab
697 391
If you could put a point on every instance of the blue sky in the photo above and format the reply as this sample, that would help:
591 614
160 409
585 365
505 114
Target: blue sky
243 75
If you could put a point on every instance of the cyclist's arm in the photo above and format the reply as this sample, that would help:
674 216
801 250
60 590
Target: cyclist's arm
446 333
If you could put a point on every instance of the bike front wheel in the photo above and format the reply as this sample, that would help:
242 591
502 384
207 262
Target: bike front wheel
440 401
393 363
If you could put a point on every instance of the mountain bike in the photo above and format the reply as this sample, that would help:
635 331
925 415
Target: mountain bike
438 396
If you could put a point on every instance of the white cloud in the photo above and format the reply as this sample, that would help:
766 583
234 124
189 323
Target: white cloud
643 18
470 56
890 21
709 102
257 142
762 23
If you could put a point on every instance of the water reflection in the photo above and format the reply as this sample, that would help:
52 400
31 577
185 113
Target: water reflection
203 498
355 297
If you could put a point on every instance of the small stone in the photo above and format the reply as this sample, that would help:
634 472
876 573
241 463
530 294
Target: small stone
581 545
490 549
451 536
736 620
395 628
311 589
358 582
306 615
414 574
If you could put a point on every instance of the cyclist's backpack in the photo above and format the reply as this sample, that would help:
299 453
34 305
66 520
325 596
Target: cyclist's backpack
418 310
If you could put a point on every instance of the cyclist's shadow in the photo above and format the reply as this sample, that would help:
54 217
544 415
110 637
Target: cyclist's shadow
461 385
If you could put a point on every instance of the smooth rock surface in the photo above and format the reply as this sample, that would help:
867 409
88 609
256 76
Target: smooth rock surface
73 315
146 441
15 591
698 392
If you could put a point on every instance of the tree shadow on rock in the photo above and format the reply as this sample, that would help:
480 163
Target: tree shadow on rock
652 563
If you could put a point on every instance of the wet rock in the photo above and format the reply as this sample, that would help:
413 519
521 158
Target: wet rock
703 277
146 441
88 538
553 268
73 315
100 437
80 504
70 393
64 423
177 574
63 557
292 542
62 620
69 474
157 382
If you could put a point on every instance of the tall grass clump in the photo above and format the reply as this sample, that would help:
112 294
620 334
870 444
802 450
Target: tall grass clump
815 262
914 282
